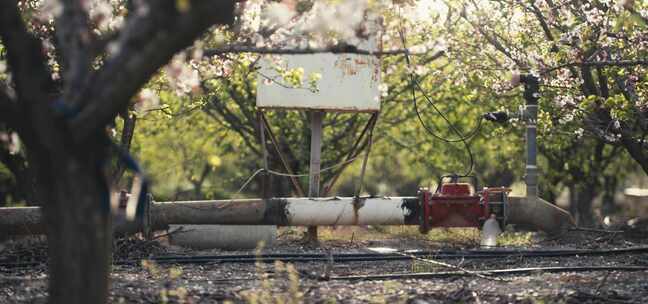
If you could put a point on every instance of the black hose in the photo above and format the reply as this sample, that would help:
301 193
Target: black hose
360 257
493 272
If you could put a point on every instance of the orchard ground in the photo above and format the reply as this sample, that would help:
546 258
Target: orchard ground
300 282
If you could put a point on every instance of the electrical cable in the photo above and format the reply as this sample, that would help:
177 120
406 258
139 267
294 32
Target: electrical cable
249 179
462 138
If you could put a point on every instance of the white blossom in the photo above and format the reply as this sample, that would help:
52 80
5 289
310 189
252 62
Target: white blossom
146 101
50 9
101 13
566 118
113 48
616 125
383 88
278 14
182 77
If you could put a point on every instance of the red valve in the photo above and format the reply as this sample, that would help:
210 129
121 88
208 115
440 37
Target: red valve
456 204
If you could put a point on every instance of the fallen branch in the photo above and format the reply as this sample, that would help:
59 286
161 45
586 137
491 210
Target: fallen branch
461 269
595 230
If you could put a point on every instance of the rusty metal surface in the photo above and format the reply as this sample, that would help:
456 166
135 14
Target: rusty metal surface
411 210
225 212
347 82
276 212
538 214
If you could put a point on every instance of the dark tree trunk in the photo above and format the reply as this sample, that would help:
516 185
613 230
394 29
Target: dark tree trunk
24 186
128 130
79 232
72 185
198 184
637 151
610 184
581 199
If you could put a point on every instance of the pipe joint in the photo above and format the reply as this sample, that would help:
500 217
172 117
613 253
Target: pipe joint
531 176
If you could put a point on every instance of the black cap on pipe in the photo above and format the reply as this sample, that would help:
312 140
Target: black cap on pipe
531 88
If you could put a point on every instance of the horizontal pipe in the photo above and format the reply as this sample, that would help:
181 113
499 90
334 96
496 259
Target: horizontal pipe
29 221
537 214
534 214
221 212
21 220
289 212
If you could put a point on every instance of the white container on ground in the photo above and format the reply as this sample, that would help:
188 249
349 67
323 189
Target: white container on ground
228 237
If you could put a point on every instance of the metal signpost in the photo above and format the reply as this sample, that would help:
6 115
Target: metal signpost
345 83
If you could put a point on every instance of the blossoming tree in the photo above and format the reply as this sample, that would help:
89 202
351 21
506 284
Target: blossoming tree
69 77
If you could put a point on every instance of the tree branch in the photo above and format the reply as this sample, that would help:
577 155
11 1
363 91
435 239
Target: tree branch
8 111
25 57
336 49
603 63
74 38
146 43
128 130
494 42
637 14
543 22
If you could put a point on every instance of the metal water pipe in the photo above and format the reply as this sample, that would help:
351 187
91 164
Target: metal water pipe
333 211
530 116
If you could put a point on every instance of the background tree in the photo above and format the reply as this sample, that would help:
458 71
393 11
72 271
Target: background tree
72 67
592 79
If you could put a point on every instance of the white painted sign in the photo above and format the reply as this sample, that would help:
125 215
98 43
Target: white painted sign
346 82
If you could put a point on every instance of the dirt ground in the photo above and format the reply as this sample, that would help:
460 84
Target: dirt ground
302 282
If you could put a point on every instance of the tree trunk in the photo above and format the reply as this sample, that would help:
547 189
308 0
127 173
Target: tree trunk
581 204
637 151
24 186
128 130
72 185
608 205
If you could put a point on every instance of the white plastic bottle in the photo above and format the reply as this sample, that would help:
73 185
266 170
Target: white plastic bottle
490 231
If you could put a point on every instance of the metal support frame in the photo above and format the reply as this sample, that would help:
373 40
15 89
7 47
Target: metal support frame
273 139
315 164
354 152
316 124
373 120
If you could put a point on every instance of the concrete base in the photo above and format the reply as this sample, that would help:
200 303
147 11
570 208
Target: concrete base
228 237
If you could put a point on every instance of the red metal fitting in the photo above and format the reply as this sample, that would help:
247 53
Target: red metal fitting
456 204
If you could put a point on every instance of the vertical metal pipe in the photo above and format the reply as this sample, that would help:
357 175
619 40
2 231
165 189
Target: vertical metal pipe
531 95
315 153
315 163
